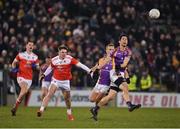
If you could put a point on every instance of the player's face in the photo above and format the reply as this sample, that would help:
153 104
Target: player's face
62 53
109 50
123 41
30 46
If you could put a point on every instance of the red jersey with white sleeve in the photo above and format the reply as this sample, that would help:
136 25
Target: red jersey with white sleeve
62 67
25 64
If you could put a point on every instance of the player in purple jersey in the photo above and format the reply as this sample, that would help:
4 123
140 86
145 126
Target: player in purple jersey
120 59
47 80
103 82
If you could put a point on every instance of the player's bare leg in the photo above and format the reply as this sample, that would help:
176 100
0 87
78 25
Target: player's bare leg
124 88
99 97
24 90
44 92
46 99
96 96
92 97
111 95
67 97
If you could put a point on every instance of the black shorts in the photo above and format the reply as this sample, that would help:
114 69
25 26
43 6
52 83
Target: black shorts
114 88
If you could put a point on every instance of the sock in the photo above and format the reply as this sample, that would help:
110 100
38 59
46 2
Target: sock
42 108
129 103
97 107
17 103
69 112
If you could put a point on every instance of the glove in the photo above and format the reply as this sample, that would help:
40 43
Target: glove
14 70
91 73
95 74
128 80
33 65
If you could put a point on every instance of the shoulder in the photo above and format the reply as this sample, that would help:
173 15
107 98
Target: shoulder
69 57
34 56
102 58
20 53
55 58
129 51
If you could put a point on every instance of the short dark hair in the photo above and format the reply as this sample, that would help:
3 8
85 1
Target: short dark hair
30 42
110 44
63 47
122 34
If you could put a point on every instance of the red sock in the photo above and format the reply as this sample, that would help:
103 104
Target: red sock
17 103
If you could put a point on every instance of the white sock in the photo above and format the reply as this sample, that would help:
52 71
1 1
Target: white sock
42 108
69 112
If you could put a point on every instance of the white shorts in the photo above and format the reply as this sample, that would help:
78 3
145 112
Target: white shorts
114 76
21 79
99 88
46 84
64 85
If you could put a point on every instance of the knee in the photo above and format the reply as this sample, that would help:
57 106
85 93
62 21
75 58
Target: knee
110 98
91 99
44 92
125 89
25 91
49 95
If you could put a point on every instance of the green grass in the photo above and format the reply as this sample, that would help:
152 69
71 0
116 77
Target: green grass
108 118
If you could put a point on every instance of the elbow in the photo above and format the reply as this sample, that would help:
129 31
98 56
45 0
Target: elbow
13 65
123 66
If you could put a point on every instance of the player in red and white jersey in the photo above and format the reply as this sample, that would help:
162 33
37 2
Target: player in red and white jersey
23 64
61 66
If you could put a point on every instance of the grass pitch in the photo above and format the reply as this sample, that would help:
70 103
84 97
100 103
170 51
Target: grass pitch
108 118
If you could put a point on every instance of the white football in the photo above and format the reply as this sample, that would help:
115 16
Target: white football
154 13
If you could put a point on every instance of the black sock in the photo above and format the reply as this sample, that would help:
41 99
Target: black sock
97 107
129 103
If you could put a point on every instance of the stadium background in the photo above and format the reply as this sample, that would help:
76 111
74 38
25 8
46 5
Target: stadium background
86 26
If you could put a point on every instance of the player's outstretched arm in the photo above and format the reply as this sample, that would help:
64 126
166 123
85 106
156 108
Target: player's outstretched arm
84 67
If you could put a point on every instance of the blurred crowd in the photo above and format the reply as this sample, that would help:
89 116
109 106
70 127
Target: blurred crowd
86 26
